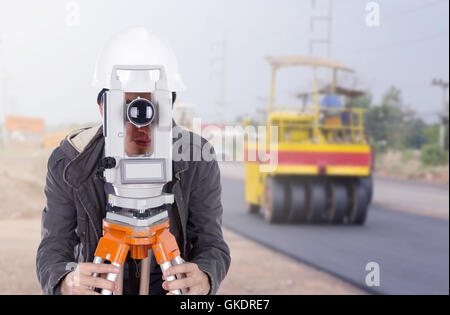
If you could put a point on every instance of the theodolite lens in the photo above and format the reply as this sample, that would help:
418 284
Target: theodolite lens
141 112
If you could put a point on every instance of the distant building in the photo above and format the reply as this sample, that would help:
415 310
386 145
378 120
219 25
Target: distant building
23 131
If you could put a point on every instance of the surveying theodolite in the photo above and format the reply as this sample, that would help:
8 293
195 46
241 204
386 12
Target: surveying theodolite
137 125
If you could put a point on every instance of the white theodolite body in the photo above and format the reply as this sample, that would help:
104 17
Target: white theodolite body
138 181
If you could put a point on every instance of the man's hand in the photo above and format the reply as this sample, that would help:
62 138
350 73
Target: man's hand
196 281
80 281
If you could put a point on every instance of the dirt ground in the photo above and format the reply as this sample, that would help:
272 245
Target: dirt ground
407 165
255 269
22 179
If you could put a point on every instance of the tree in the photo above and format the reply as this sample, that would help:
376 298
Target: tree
393 124
363 101
415 136
446 139
392 121
433 155
431 133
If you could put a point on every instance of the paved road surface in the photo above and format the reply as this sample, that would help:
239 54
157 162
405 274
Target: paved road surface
412 250
418 198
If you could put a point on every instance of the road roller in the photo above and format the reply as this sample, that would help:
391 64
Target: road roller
322 173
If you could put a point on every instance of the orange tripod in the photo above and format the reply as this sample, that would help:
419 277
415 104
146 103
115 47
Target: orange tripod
120 238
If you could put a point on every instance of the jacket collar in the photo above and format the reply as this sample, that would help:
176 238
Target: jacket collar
85 164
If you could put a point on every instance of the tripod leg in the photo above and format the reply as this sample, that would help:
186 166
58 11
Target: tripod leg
145 276
120 282
166 250
178 261
111 277
97 261
164 267
111 248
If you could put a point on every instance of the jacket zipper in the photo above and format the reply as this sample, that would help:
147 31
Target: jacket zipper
90 218
183 232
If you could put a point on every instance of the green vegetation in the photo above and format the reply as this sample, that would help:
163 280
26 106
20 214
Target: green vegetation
393 126
405 144
433 155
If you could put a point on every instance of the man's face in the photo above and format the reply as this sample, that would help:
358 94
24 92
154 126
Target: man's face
137 140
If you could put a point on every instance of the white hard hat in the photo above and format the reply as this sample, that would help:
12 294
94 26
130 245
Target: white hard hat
136 46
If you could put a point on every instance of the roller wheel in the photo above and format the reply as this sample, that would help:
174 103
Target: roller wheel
359 203
339 202
275 200
252 208
299 201
317 202
367 182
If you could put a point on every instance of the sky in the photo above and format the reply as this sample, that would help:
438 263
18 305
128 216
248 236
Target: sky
49 62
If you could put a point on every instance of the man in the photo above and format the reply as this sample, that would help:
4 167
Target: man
76 200
330 108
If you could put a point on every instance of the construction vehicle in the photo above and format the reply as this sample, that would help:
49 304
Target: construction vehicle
324 162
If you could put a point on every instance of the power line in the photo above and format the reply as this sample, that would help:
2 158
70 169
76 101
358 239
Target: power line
431 37
401 43
421 7
396 16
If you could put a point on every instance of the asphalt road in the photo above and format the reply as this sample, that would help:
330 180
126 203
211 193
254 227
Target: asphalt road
411 250
414 197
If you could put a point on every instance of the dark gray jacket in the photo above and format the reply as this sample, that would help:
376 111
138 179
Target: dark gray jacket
72 218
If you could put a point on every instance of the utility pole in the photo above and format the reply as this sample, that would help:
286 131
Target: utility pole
221 73
329 20
444 116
